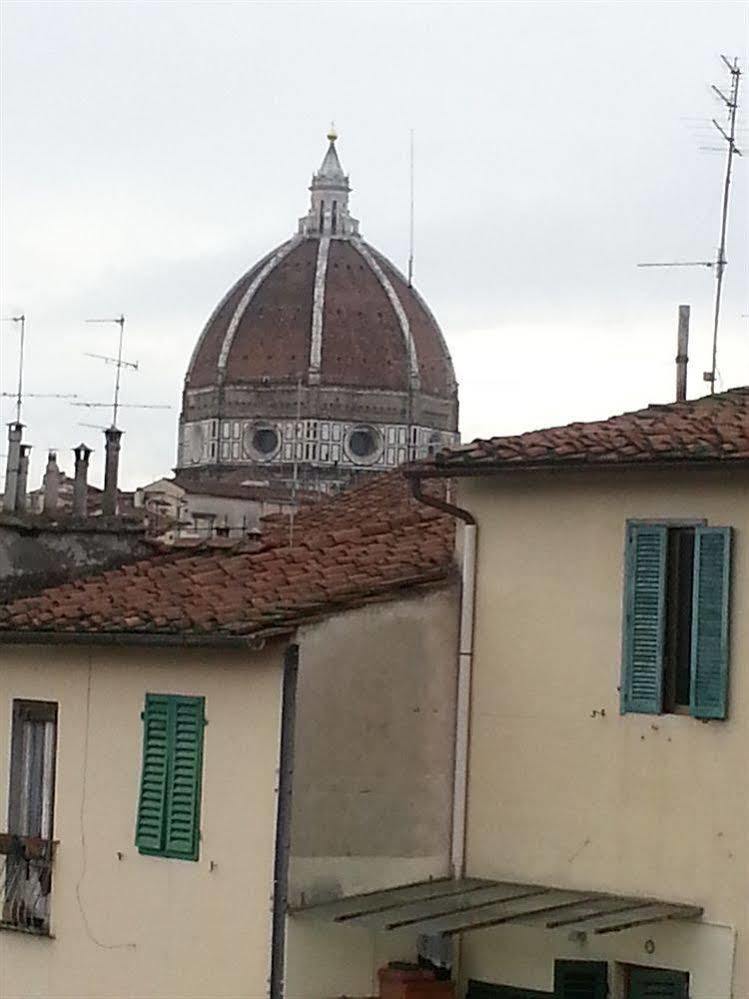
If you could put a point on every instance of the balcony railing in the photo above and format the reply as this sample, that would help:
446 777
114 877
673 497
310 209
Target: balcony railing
25 882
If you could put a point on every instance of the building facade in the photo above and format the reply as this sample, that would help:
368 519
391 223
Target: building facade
176 729
611 682
321 362
600 806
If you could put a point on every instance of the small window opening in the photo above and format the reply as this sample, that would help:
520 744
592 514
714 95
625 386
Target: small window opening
334 217
679 575
322 215
29 869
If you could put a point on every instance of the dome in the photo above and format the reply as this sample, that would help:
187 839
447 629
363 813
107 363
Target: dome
321 353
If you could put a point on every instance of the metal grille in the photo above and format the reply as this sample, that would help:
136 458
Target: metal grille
25 883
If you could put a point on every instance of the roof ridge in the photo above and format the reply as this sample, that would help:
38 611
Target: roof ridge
376 540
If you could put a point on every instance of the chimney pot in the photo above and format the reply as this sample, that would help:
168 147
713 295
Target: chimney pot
23 478
82 453
112 437
51 484
681 354
15 433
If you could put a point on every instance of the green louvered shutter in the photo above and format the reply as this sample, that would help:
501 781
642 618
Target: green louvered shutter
149 828
658 983
712 562
581 980
183 796
644 618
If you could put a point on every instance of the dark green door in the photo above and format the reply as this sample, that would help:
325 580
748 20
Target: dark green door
488 990
657 983
581 980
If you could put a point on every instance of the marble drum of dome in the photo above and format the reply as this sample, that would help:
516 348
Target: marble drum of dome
321 360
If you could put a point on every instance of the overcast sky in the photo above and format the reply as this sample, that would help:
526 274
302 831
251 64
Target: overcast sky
151 152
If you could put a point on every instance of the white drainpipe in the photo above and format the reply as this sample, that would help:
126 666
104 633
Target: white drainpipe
463 704
465 670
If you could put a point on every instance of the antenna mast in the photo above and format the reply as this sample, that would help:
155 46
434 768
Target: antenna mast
117 361
19 395
119 364
732 103
411 216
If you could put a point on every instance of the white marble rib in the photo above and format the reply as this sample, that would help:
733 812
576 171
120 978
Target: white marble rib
318 309
271 263
389 290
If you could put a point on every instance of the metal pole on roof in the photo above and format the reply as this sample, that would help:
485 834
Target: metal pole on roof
295 473
732 103
681 354
411 217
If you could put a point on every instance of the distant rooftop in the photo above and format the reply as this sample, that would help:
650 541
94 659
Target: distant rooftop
369 543
714 428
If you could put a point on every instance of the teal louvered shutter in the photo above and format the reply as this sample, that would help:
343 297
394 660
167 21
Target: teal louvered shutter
149 828
644 618
183 796
712 564
581 980
657 983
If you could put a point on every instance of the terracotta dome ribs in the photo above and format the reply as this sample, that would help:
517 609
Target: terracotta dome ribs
435 365
272 337
320 364
362 342
203 368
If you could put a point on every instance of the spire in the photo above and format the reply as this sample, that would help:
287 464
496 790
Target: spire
331 171
328 214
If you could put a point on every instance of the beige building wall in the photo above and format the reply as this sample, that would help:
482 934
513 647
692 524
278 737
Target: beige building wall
126 925
566 791
372 777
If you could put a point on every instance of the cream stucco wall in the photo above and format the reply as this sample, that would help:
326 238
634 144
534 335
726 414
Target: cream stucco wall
374 747
563 789
148 926
372 777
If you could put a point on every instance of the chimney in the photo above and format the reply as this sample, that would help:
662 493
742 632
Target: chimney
681 354
23 477
15 432
112 448
51 485
80 482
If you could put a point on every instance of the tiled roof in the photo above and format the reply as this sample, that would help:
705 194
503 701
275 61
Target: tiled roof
365 544
270 492
714 428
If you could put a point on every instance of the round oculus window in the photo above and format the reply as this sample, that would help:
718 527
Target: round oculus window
260 441
364 443
265 440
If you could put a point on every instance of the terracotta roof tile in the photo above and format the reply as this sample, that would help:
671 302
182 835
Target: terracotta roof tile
714 428
367 543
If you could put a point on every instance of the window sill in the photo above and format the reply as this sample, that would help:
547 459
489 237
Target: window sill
168 855
26 931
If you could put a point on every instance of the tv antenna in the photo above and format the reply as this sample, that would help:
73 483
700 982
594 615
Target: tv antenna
19 395
411 215
119 364
732 103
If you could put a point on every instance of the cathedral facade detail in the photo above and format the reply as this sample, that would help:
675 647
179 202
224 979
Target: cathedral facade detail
319 362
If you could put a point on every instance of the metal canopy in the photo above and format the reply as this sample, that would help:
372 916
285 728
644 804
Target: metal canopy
448 906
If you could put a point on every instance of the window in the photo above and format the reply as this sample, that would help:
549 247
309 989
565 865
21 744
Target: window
168 823
364 443
656 983
581 980
675 647
28 864
265 440
32 771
